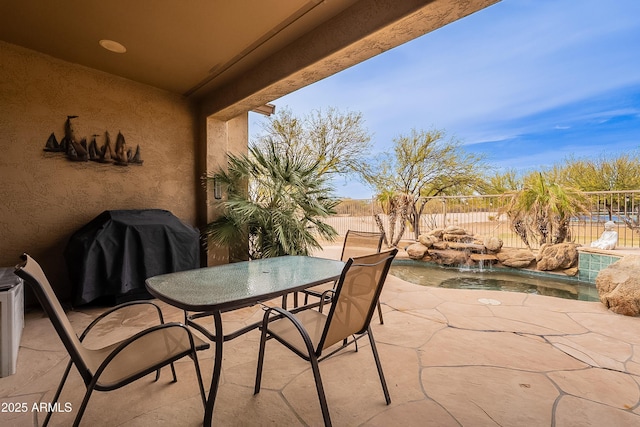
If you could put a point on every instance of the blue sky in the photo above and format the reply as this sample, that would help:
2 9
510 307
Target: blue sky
526 82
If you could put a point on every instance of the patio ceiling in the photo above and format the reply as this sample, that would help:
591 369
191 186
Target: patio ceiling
223 52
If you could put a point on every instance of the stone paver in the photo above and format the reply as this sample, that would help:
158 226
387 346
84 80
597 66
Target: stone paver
575 412
454 347
615 388
595 349
490 396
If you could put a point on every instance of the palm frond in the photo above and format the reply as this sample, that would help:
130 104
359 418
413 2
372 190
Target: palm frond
274 201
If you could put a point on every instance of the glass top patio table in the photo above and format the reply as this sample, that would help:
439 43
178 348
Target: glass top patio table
237 285
213 290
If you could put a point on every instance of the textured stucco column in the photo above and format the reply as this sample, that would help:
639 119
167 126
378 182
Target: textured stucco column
221 138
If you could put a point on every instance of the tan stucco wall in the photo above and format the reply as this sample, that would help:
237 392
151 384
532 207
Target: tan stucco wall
44 197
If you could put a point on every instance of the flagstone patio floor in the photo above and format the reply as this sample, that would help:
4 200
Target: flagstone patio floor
451 358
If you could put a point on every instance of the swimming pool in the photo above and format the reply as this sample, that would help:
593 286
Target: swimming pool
496 279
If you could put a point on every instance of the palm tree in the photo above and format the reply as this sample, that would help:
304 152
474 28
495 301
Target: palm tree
396 206
541 212
274 199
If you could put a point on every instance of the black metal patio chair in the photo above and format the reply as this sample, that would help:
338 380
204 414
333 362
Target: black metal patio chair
308 332
117 364
356 243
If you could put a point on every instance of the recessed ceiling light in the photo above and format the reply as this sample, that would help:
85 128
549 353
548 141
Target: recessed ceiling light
113 46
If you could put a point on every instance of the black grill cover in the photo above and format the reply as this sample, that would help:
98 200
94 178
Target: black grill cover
117 251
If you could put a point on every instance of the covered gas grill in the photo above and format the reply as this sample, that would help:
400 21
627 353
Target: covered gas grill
110 257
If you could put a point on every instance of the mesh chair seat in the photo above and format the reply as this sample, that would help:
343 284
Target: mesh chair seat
138 357
308 333
313 322
356 244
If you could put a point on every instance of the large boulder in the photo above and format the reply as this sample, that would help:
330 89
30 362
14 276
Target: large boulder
453 229
619 286
449 257
467 247
428 239
441 245
416 251
561 256
456 234
492 243
515 258
436 232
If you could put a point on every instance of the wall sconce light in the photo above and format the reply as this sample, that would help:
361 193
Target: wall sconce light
217 189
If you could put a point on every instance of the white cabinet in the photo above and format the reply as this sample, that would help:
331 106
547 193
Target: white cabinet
11 320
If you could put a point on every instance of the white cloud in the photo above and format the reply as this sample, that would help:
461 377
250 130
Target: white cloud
482 78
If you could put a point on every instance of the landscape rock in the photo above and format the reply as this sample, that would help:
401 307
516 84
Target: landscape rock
417 251
483 258
453 237
478 241
492 243
619 286
516 258
441 245
573 271
470 247
436 232
449 257
427 239
557 257
452 229
453 245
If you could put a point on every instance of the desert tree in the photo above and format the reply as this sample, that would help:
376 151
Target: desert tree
502 182
615 174
423 164
338 141
603 173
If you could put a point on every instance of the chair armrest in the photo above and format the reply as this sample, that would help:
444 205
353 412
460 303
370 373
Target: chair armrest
325 298
119 307
317 293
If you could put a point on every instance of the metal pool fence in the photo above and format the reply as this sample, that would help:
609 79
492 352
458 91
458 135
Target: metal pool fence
480 215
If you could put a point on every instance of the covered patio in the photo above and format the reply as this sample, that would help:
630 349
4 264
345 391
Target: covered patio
180 87
451 357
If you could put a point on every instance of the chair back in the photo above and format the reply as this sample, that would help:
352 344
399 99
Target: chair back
31 272
356 297
359 243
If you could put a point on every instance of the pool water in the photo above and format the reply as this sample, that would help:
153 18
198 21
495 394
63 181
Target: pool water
494 279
